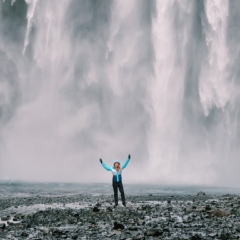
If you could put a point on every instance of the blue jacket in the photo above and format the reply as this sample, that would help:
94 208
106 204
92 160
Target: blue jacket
117 175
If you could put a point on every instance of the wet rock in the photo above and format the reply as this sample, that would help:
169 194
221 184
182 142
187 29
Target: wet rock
2 225
189 208
98 205
201 194
56 232
219 213
208 208
74 236
118 226
138 237
196 237
237 227
6 218
225 236
185 219
96 209
153 232
24 234
212 235
109 209
201 209
18 216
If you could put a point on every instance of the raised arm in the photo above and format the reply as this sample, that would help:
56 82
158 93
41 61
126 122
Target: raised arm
105 166
126 162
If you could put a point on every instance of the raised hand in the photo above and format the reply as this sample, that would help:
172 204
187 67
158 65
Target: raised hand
129 156
100 160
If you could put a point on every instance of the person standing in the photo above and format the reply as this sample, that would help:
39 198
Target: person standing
116 170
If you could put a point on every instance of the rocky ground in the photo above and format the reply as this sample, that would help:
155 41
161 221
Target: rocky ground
145 217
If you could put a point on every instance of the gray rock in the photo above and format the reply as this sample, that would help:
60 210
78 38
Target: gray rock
225 236
237 227
154 232
201 194
214 234
138 237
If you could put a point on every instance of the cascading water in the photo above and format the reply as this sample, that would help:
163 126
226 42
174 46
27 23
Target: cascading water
80 80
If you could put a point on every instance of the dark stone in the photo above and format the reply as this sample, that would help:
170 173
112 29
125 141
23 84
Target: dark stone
138 237
238 228
166 230
74 236
98 205
133 228
2 225
109 209
96 209
225 236
6 218
56 232
18 216
24 234
118 226
196 237
208 208
75 215
154 232
219 213
212 235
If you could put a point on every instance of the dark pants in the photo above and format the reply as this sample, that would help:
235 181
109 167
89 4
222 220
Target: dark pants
119 185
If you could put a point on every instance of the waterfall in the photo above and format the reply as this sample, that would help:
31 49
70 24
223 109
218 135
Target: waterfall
80 80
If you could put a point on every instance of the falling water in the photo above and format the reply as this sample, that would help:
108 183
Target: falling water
80 80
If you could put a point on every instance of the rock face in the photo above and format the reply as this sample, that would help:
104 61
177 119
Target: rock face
146 217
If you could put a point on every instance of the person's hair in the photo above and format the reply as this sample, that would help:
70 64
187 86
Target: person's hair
119 167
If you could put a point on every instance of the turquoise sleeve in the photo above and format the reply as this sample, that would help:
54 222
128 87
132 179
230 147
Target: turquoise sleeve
125 163
106 167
